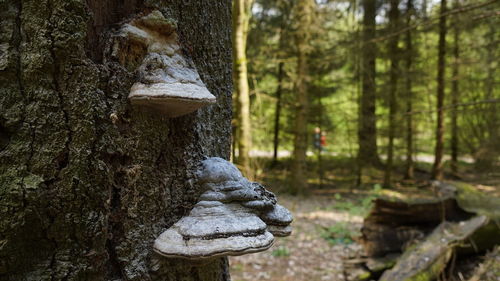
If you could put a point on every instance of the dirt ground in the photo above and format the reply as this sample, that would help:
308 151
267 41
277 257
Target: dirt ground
306 255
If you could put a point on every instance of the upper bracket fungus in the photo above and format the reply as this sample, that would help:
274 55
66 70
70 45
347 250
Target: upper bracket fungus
233 217
167 80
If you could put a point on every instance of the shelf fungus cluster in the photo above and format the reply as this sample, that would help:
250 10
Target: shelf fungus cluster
233 217
167 80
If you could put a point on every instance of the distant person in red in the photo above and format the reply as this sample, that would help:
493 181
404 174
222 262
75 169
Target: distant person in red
323 141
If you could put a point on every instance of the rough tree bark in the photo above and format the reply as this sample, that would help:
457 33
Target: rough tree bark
437 168
367 131
242 11
86 181
303 17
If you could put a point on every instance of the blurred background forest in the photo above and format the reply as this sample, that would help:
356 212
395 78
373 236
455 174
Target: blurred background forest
374 76
349 101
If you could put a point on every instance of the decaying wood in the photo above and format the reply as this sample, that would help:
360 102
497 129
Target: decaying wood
427 259
368 268
393 224
458 220
489 269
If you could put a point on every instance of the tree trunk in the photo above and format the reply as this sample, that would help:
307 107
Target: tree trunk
303 17
367 131
277 112
409 94
454 100
281 76
393 88
241 17
437 169
424 9
87 182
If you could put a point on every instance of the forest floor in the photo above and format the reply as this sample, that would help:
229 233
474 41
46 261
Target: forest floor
322 240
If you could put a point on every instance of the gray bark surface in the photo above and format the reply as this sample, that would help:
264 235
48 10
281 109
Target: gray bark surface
87 182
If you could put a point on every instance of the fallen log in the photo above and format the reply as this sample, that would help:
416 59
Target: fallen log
393 223
473 201
427 259
456 219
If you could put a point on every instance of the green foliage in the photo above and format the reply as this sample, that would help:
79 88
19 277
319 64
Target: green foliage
342 232
339 233
357 208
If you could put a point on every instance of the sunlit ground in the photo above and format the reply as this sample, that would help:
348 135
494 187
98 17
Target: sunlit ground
323 227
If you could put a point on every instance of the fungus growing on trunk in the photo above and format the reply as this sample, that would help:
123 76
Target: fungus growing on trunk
233 217
168 81
278 220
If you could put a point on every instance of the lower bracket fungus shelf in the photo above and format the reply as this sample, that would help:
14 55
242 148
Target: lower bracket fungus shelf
233 217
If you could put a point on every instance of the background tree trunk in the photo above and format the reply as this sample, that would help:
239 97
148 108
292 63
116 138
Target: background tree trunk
242 11
86 181
437 168
455 98
277 112
367 131
409 93
303 13
393 88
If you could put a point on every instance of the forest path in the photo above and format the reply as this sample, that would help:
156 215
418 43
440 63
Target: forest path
421 157
306 254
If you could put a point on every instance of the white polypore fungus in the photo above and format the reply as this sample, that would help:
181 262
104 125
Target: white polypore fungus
233 217
167 82
214 230
278 220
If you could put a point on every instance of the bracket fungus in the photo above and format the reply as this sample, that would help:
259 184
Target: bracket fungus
232 217
167 80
